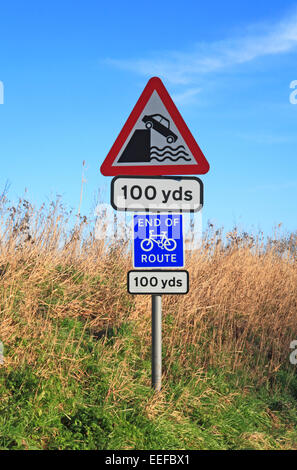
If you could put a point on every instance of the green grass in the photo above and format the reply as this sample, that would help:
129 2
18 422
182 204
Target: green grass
77 368
89 390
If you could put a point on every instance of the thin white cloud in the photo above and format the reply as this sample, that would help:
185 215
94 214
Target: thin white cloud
184 67
186 96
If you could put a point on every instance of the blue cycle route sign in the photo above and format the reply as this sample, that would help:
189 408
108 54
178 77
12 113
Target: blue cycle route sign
158 241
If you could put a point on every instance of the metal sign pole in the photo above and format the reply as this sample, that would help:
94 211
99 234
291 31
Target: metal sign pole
153 126
156 342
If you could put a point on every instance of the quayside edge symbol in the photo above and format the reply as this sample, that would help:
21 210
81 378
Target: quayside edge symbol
161 125
155 139
140 148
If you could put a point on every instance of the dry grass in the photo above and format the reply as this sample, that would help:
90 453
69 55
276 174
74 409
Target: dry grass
240 315
241 309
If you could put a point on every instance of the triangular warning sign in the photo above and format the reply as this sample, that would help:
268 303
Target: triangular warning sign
155 139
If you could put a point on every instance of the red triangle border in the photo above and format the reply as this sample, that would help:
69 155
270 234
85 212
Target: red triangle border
202 166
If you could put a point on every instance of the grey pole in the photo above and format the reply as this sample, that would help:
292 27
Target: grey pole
156 342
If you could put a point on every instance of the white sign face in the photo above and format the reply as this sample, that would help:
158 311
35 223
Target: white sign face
160 193
158 282
155 139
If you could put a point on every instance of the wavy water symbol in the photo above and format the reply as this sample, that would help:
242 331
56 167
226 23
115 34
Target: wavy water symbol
170 153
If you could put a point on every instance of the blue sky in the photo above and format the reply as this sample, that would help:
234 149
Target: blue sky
73 70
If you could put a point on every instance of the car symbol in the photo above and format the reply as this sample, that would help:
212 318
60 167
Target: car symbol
160 124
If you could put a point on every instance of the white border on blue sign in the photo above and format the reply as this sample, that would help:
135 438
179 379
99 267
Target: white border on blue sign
158 213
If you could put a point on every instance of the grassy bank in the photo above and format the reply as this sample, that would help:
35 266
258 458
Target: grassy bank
77 346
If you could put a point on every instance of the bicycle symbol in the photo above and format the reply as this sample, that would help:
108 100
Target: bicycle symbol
165 243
